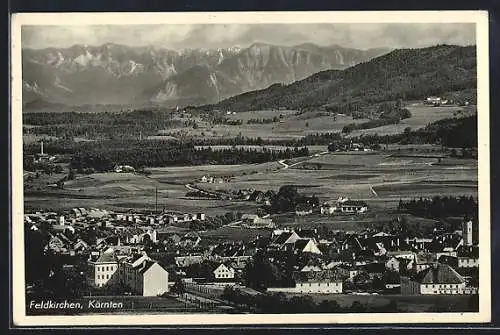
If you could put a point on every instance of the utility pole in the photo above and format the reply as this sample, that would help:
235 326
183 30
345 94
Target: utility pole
156 199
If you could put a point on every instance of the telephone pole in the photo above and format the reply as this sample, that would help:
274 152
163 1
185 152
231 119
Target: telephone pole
156 199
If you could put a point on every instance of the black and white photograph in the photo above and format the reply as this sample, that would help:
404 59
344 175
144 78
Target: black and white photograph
250 168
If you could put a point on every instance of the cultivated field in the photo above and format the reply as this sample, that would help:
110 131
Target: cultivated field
421 116
378 178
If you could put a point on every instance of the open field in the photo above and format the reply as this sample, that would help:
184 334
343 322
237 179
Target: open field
291 126
421 116
378 178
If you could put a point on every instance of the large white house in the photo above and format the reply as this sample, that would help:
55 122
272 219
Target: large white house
437 279
224 272
143 275
353 207
325 282
102 269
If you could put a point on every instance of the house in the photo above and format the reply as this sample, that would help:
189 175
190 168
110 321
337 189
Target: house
257 196
102 269
392 264
353 207
328 209
152 279
302 210
325 282
437 279
433 100
190 240
254 221
124 169
282 238
306 245
56 244
468 257
308 268
80 246
142 275
423 261
185 261
402 254
224 273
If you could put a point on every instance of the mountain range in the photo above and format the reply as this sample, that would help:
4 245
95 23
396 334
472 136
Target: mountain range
400 74
124 75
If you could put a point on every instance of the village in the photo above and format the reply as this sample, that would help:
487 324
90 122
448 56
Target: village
146 254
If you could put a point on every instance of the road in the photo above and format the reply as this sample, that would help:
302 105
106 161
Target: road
286 166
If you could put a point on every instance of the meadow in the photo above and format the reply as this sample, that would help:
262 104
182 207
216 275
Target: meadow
421 116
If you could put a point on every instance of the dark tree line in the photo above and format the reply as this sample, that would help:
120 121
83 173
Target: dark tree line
388 114
153 154
288 198
101 125
441 207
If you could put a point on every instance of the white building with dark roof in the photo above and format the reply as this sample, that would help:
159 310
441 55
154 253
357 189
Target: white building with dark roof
102 269
437 279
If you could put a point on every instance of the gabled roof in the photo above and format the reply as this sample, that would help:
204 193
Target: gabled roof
354 203
318 276
147 265
439 274
106 257
283 237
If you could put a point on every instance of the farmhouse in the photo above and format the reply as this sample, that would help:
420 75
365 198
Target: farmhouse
433 100
303 210
353 207
437 279
123 168
254 221
224 273
328 209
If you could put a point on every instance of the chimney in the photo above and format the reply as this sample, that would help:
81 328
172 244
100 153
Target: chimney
41 148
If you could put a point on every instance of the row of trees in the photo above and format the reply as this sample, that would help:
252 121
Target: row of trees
388 114
288 198
441 207
264 120
137 154
101 125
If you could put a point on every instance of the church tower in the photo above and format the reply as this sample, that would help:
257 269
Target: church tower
467 232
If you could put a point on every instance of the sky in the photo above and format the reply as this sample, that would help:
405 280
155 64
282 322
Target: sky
185 36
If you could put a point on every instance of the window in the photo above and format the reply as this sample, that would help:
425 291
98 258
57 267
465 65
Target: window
98 277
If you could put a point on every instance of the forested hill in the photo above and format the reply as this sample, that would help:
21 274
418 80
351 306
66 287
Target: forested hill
403 73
